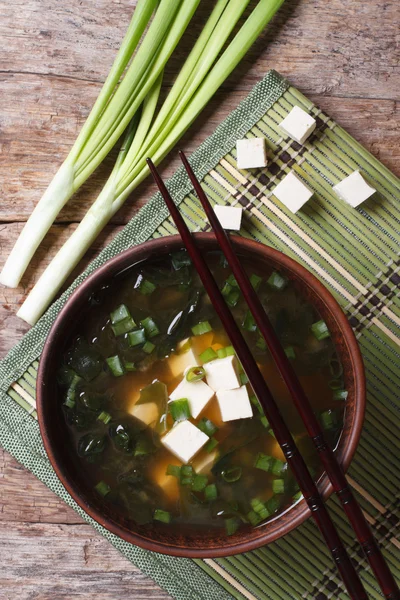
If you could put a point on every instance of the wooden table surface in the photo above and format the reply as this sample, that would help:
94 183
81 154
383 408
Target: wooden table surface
344 54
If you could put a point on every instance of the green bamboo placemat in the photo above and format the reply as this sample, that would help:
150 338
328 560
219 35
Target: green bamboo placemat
355 253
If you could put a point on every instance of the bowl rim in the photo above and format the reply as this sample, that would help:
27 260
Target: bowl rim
113 266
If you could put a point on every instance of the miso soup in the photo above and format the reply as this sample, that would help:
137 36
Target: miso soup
162 419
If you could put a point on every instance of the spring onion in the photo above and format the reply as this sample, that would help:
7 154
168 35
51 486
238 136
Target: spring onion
328 419
273 504
278 486
199 483
115 365
207 427
202 74
211 492
231 525
290 352
174 470
227 351
244 380
263 462
255 281
211 444
265 422
146 287
148 347
179 409
276 281
297 496
254 518
226 289
259 507
195 374
200 328
249 323
123 326
104 417
340 394
277 466
120 314
187 475
208 355
150 327
129 366
232 298
102 488
162 515
320 330
136 338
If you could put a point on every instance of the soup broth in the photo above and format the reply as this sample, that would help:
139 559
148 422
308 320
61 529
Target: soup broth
138 340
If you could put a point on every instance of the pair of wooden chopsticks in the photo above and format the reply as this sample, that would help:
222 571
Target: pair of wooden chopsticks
295 460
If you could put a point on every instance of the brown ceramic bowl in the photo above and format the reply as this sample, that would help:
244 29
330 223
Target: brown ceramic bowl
159 539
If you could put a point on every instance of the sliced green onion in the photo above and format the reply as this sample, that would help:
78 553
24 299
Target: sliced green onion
320 330
105 417
278 486
187 475
148 347
265 422
231 525
173 470
211 444
328 419
180 259
150 327
273 504
255 281
233 298
200 328
129 366
70 402
297 496
261 344
232 281
259 508
211 492
208 355
290 352
226 289
146 287
180 409
227 351
136 338
254 518
143 446
123 326
120 314
199 483
277 281
207 427
263 461
162 515
340 394
278 466
249 323
115 365
195 374
244 380
232 475
255 402
102 488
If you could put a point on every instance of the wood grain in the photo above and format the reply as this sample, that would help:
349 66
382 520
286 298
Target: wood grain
344 55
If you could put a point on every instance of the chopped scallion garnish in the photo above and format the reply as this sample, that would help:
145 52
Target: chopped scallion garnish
231 525
265 422
263 461
69 402
195 374
129 366
150 327
207 427
340 394
212 442
199 483
277 281
249 323
255 281
320 330
146 287
244 380
136 338
227 351
162 515
278 486
123 326
290 352
233 298
328 419
226 290
187 474
277 466
232 281
102 488
115 365
200 328
173 470
180 409
120 314
273 504
208 355
232 475
298 495
254 518
105 417
148 347
211 492
259 507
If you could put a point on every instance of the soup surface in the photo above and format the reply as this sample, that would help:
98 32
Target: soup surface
161 417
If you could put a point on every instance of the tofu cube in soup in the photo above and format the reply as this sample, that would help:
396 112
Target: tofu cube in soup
299 125
234 404
223 373
354 189
230 217
177 363
184 440
292 192
147 413
197 393
251 153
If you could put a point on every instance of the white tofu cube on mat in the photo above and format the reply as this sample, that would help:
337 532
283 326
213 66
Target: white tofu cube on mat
198 394
184 440
147 413
251 153
177 363
292 192
234 404
230 217
298 125
223 373
354 189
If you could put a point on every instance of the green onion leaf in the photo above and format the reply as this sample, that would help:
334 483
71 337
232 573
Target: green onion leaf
173 470
180 409
255 281
290 352
120 314
136 338
232 281
200 328
249 323
233 298
254 518
226 289
115 365
277 466
208 355
265 422
199 483
211 492
129 366
298 495
340 394
207 427
259 507
123 326
328 419
212 442
231 525
278 486
148 347
187 475
232 475
146 287
162 515
105 417
244 380
320 330
277 281
195 374
102 488
263 461
150 327
273 504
